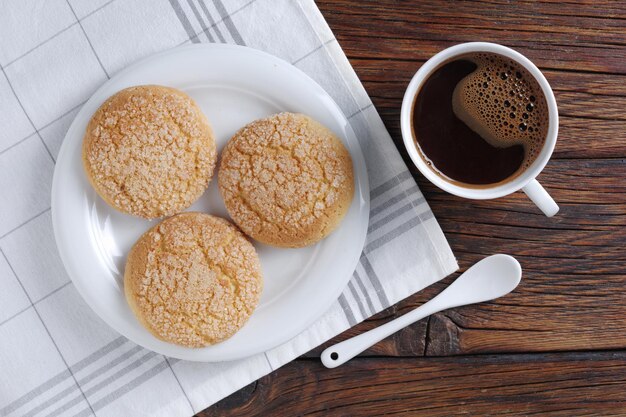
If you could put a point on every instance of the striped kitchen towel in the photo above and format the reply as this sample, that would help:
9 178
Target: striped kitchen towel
56 356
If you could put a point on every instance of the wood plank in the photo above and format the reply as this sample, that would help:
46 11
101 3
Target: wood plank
574 265
545 384
409 31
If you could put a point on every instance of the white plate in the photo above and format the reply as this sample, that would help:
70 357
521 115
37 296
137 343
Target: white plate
233 85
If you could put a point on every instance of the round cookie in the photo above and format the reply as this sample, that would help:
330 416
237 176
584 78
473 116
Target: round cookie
193 279
149 151
286 180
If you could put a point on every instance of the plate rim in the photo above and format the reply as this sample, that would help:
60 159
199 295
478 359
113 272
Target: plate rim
362 192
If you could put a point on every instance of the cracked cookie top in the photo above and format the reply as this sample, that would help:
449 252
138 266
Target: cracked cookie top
286 180
149 151
193 279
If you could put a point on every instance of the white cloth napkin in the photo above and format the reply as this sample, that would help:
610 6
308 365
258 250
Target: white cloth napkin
56 356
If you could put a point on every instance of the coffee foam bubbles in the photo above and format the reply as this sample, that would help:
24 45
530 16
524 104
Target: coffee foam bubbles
503 103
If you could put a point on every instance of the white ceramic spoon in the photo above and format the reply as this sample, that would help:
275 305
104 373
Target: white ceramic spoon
492 277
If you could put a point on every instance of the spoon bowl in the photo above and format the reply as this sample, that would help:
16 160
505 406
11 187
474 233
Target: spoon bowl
490 278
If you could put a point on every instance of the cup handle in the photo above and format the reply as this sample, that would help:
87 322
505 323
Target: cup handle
541 198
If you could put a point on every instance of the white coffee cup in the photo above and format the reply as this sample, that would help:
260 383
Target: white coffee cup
526 180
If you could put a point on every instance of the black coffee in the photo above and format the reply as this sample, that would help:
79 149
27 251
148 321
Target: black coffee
480 119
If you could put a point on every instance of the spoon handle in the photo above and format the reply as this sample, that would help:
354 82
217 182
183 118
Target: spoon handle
344 351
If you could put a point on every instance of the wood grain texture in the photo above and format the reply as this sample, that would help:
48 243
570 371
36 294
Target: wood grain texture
544 384
572 298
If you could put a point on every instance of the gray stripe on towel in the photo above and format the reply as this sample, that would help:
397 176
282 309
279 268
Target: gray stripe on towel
343 302
200 20
398 231
184 21
373 277
355 295
212 24
228 22
359 281
393 200
389 184
60 377
155 370
380 223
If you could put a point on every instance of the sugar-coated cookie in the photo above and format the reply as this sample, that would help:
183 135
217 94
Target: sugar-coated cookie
149 151
286 180
193 279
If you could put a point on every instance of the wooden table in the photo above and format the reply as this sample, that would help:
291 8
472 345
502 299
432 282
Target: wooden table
557 345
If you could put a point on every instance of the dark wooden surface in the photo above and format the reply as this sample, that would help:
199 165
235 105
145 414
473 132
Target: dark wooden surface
557 345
